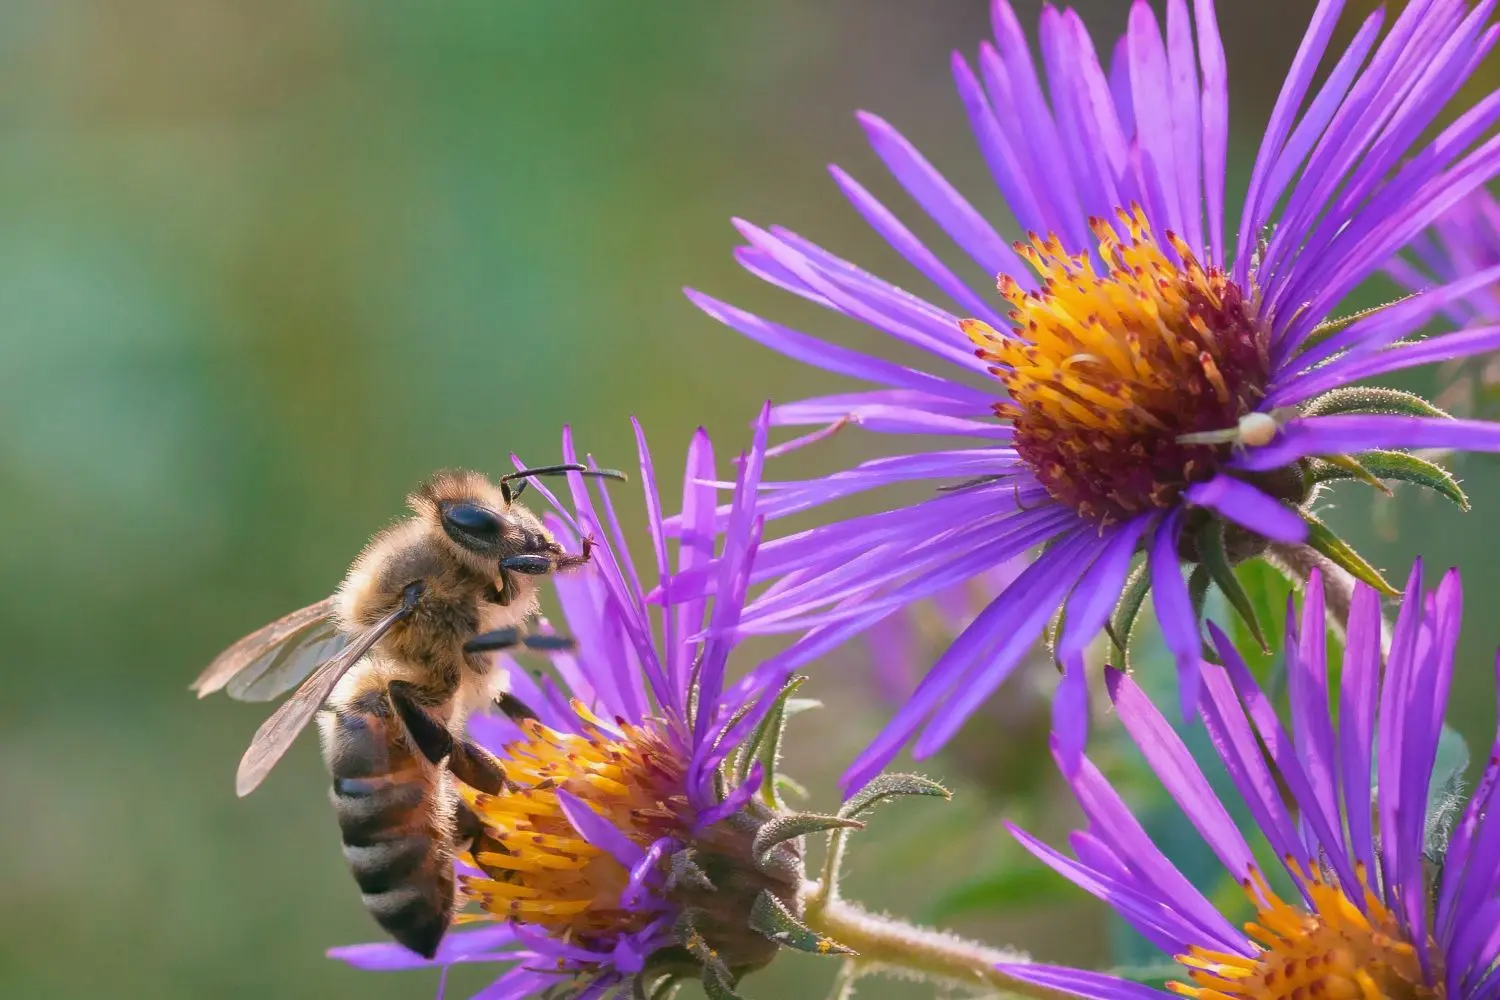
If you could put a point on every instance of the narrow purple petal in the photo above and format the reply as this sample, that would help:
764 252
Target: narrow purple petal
819 353
885 223
1094 985
1249 507
1307 673
1024 603
1282 752
1347 434
1235 742
1184 781
476 945
1111 820
1260 200
941 200
1011 637
1215 123
1092 600
643 870
1174 610
1070 715
1358 699
599 831
1162 924
695 548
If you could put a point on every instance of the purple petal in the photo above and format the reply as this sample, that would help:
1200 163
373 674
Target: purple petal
475 945
1095 596
1013 619
1153 917
940 199
1174 611
1184 781
1307 673
1249 507
1094 985
1358 698
1012 631
1112 821
1215 122
1347 434
820 354
1070 715
907 245
599 831
1260 200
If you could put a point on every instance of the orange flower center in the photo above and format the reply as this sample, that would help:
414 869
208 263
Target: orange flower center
1337 951
537 869
1108 371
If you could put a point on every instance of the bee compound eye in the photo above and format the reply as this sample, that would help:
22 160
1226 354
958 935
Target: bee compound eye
471 520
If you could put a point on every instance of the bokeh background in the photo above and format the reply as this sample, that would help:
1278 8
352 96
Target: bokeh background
264 266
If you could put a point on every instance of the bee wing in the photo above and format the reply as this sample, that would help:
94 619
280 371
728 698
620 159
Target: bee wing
283 667
242 665
276 734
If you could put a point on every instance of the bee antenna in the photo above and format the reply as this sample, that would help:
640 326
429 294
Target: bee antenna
557 470
510 493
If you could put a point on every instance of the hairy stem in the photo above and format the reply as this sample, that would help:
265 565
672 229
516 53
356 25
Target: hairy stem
1297 563
893 947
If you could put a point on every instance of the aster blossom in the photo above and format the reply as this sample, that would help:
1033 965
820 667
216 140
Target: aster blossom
1149 384
1387 898
619 847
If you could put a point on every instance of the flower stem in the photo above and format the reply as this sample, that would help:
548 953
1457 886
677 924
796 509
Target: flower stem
1297 562
893 947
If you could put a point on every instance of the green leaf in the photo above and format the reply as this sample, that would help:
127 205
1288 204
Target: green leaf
784 828
770 918
889 786
1405 468
1010 889
1371 399
1323 540
1332 468
1122 622
790 786
764 744
1215 561
718 982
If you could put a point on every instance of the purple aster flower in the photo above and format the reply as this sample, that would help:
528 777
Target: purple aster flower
1343 804
1465 241
593 857
1161 385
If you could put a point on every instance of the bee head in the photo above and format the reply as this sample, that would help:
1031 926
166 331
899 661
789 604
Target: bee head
476 520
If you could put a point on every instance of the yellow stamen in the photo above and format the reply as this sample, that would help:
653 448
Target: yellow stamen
537 869
1107 366
1334 951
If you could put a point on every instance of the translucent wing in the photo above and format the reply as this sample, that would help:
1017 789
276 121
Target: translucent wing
266 662
276 734
285 666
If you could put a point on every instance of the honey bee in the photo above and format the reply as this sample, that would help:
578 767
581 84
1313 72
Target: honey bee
393 664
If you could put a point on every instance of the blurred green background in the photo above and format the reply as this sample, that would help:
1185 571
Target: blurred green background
264 266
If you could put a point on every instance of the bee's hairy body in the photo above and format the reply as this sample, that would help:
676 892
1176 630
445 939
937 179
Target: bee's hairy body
392 697
397 811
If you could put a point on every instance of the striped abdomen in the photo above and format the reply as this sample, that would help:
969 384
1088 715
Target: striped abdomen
395 811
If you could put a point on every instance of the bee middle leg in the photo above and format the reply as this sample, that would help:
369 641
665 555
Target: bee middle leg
469 762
